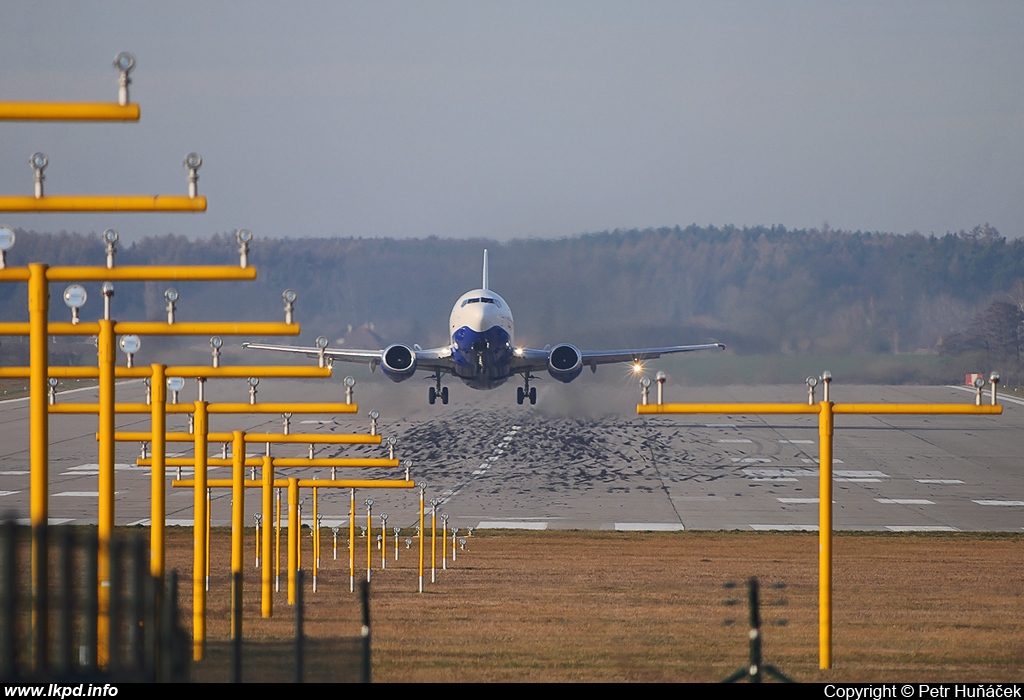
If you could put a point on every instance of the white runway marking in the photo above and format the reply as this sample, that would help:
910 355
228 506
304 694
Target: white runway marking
83 494
752 460
857 481
15 473
906 501
940 481
720 425
8 493
737 441
786 528
649 527
921 528
799 500
1000 503
857 474
986 398
510 525
315 422
771 478
798 442
815 460
776 473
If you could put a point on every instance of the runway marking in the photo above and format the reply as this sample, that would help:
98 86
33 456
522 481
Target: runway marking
83 494
510 525
906 501
315 422
8 493
771 478
921 528
95 468
49 521
940 481
698 498
861 474
799 500
798 442
815 460
858 481
649 527
15 473
1000 503
738 440
752 460
999 397
720 425
73 391
786 528
775 473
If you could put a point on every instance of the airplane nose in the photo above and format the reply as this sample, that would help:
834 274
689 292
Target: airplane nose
480 345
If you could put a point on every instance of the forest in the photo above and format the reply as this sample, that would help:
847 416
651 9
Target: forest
762 290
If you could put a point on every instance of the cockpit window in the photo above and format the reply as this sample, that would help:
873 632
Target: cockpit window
478 300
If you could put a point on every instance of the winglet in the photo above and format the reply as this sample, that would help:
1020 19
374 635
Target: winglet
485 269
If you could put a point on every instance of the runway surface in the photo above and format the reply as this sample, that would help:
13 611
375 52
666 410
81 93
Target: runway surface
582 458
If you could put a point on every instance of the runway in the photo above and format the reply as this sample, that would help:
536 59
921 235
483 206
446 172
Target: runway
582 459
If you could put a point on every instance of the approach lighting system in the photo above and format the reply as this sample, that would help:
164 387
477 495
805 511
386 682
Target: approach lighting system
253 383
994 380
193 161
811 383
171 296
108 294
125 63
174 385
216 343
350 383
645 385
130 345
52 382
39 161
75 296
289 304
392 441
6 243
244 238
321 344
660 377
374 415
826 379
110 239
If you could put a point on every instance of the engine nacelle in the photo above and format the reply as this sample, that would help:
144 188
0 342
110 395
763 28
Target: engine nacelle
565 362
398 362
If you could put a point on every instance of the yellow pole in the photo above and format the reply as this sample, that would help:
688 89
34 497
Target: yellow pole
316 539
39 441
102 202
421 539
107 358
433 540
69 111
209 528
237 509
277 540
158 489
369 542
352 541
201 427
268 513
825 432
293 536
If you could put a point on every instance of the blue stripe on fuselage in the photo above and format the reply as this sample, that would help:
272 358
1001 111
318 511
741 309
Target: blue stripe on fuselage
483 360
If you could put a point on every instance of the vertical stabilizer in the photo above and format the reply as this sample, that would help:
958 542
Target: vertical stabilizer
485 269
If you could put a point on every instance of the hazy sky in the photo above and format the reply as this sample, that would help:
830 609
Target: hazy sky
516 119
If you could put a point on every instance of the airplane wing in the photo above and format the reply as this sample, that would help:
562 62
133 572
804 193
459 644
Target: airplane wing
530 360
430 360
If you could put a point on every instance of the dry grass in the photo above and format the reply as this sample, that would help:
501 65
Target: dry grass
604 606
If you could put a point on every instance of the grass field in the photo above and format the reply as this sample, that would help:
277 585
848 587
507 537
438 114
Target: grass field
603 606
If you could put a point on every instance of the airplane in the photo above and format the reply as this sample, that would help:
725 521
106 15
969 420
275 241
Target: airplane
482 352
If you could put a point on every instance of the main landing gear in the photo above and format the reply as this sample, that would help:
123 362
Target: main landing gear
440 392
526 392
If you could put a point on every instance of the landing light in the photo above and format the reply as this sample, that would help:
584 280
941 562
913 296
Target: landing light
518 352
637 368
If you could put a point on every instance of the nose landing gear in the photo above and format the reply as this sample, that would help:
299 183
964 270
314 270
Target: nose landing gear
526 392
438 393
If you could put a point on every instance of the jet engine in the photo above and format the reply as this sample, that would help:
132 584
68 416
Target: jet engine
398 362
565 362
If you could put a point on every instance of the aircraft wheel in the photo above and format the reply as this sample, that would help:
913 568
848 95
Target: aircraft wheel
444 396
519 395
432 396
533 395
